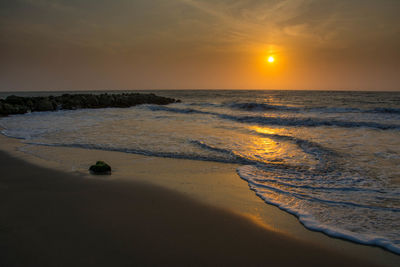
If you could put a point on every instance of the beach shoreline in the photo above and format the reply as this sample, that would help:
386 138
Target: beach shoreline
201 183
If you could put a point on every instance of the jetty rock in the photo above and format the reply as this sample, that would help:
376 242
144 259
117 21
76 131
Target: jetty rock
20 105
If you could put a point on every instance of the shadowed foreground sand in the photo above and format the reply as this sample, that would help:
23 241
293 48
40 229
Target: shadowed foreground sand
50 218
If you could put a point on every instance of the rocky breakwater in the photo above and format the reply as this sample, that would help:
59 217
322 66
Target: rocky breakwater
20 105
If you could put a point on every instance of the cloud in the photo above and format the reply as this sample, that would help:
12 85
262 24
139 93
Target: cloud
197 36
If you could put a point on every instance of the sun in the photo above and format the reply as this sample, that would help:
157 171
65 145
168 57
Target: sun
270 59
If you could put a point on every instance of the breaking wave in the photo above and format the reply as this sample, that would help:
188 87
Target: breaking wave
262 107
281 121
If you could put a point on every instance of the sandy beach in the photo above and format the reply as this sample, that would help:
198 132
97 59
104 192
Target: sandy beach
55 218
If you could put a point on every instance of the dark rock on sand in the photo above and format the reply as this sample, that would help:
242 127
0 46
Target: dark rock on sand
20 105
100 168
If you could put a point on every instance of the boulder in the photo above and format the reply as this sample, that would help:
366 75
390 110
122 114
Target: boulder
44 104
100 168
2 110
122 101
105 100
15 100
72 103
91 101
8 109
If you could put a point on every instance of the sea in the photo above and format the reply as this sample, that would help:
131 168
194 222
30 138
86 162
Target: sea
331 158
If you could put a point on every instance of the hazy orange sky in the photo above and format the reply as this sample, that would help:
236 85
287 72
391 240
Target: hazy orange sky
191 44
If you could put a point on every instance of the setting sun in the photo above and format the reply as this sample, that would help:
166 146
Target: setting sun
271 59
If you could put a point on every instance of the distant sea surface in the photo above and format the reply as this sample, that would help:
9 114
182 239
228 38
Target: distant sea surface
330 158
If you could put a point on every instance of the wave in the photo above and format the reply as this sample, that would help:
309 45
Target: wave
240 159
386 110
326 157
305 206
279 187
205 104
179 110
227 156
307 122
321 188
261 107
309 147
382 110
280 121
251 106
190 156
215 149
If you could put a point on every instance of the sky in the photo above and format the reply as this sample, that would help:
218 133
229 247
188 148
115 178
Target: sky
199 44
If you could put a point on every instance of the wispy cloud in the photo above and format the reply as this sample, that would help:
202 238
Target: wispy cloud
192 34
259 23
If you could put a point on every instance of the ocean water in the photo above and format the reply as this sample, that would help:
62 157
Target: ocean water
330 158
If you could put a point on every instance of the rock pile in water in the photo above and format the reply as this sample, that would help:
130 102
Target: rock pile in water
20 105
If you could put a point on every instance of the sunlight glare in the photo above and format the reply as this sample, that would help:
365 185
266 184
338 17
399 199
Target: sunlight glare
271 59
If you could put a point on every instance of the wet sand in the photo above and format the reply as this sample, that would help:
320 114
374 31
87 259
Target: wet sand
54 218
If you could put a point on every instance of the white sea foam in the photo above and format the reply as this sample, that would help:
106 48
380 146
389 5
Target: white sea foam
332 210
